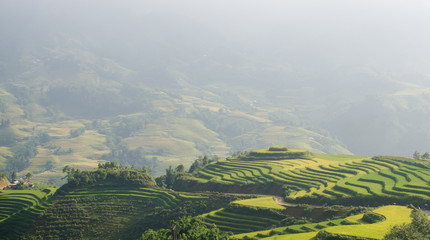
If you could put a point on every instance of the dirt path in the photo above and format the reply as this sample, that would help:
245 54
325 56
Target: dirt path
281 202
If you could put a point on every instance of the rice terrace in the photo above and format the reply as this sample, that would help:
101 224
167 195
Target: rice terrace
273 193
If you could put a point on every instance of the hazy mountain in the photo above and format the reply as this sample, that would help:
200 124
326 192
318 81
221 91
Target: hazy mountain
216 77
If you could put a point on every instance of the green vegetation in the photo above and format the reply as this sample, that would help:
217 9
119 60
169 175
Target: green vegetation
418 229
240 219
348 228
109 173
186 228
264 202
393 215
317 179
114 201
123 211
19 209
371 217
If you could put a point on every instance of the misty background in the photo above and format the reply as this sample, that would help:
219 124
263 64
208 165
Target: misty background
154 83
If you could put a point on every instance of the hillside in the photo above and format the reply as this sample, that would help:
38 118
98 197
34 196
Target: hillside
117 212
114 201
352 226
164 97
301 176
173 126
19 209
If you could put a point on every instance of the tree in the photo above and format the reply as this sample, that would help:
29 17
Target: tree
419 229
186 228
180 168
205 160
194 166
13 176
425 155
161 181
417 155
49 165
170 177
28 176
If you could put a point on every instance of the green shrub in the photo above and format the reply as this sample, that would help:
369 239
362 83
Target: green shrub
307 229
371 217
261 235
318 226
249 238
288 221
418 229
290 230
344 222
275 232
323 235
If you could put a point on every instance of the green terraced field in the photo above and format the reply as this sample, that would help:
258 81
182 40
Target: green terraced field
162 197
107 212
20 208
262 202
323 176
356 228
239 220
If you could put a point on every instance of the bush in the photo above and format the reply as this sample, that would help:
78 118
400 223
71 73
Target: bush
323 235
307 229
275 232
318 226
290 230
249 238
288 221
345 222
261 235
371 217
186 228
417 230
77 132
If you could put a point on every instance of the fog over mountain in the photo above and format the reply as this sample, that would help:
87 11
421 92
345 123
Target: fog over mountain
220 76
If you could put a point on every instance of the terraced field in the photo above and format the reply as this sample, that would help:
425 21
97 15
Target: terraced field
240 220
20 208
350 226
324 176
105 212
262 202
161 197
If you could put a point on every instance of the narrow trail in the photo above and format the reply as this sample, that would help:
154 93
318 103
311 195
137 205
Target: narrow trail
280 201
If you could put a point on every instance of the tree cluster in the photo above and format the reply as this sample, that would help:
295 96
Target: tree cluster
172 174
418 229
418 156
201 162
186 228
22 153
108 173
77 132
